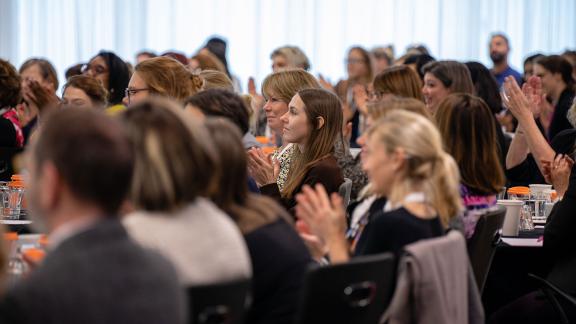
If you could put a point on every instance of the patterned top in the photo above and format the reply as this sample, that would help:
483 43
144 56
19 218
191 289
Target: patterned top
476 205
284 157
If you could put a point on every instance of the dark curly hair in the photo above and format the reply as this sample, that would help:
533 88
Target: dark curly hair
10 87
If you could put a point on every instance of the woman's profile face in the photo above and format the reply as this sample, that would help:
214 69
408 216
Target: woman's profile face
137 90
379 165
98 69
434 92
296 125
275 108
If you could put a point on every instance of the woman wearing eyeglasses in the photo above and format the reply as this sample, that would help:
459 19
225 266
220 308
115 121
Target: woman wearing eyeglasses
114 74
164 77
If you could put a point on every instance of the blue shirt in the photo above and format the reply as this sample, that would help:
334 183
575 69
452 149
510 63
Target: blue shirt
509 71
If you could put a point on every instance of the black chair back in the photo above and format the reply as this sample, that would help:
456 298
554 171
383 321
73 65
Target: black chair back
562 302
482 245
355 292
222 303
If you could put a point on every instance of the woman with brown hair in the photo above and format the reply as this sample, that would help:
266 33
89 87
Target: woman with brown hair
278 89
359 69
442 78
176 170
204 60
267 229
469 133
312 123
213 79
82 91
400 81
164 77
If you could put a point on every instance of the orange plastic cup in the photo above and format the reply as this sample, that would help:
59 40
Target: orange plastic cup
262 140
11 236
35 255
268 150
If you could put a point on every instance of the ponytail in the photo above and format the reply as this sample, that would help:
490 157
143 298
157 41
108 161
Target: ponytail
428 168
442 186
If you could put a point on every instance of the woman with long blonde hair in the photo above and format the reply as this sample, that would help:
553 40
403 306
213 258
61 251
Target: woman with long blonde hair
419 180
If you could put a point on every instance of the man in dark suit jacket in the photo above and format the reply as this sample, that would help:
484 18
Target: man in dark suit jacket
80 171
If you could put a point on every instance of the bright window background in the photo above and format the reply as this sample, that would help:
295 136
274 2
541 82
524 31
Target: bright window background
72 31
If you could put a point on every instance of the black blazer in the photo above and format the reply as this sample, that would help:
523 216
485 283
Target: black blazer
98 276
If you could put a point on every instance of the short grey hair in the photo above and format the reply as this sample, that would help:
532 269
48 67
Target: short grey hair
294 55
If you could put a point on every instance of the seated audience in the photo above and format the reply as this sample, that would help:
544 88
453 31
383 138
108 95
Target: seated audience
79 174
175 171
161 77
529 66
559 87
419 180
223 103
114 74
530 150
468 130
38 74
442 78
276 285
313 124
82 91
369 203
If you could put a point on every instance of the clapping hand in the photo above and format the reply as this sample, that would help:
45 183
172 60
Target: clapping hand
361 98
557 172
523 104
263 169
39 98
325 217
317 247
